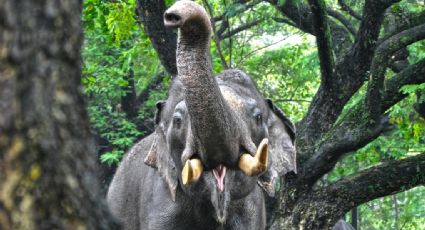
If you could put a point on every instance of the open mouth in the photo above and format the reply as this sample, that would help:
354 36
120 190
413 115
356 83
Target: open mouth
248 164
219 173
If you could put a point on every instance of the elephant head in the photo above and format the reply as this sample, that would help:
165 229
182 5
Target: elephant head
216 138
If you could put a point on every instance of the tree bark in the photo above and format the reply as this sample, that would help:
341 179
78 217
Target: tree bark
354 217
129 101
164 40
47 156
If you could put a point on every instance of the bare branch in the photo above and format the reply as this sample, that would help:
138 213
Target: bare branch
292 100
261 48
240 29
284 20
216 37
348 9
324 42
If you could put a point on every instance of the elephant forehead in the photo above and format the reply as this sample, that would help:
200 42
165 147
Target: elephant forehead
233 99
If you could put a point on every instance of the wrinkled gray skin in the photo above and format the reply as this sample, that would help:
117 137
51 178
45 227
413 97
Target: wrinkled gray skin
342 225
214 119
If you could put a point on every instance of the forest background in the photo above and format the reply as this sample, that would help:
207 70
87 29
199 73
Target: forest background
124 77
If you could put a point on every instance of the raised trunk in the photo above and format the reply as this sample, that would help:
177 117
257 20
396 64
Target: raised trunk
212 123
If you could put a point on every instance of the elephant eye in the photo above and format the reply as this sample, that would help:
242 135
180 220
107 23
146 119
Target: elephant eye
177 121
259 118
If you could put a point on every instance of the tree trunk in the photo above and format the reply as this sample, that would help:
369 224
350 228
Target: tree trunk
354 217
396 212
47 155
150 13
129 100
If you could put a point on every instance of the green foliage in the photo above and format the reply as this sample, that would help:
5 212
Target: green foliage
404 210
288 75
411 89
147 111
406 138
282 60
116 128
116 50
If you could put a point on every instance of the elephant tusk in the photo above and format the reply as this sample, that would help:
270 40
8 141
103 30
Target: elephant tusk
253 166
192 170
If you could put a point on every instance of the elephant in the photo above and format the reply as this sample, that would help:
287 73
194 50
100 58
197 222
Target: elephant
218 150
342 225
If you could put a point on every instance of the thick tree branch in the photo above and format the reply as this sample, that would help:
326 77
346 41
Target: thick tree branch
348 137
302 18
419 106
284 20
348 9
163 40
129 100
387 178
349 76
291 100
414 74
381 61
324 42
356 130
223 27
371 23
347 24
298 12
322 207
217 38
154 84
404 24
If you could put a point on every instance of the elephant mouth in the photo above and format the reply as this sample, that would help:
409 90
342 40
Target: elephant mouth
219 173
248 164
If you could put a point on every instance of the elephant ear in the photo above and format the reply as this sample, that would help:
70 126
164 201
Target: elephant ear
282 152
158 156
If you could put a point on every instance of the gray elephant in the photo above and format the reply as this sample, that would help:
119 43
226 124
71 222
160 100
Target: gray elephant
218 148
342 225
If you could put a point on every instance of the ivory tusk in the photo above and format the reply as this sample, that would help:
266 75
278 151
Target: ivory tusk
192 170
256 165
